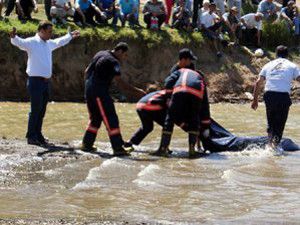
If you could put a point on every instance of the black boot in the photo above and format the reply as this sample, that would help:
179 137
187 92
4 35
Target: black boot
193 137
120 152
163 149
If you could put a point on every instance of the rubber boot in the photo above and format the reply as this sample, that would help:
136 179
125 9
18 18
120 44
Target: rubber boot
193 137
163 149
120 152
128 147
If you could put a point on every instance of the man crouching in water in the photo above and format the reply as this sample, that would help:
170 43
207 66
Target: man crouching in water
105 68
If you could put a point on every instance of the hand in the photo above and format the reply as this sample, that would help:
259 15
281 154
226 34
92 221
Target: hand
75 34
13 33
254 104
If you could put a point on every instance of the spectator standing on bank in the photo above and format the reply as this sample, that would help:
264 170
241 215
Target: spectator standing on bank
60 10
154 14
252 28
85 10
39 70
128 12
24 9
278 75
203 9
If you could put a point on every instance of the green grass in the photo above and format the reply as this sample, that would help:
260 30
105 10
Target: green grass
105 33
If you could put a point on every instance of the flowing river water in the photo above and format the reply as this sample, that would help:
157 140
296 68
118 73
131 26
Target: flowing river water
248 187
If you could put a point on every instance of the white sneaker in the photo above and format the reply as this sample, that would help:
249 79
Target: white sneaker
54 21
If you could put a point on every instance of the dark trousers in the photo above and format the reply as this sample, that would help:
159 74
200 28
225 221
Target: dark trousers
89 16
47 8
101 108
147 118
277 109
27 8
39 90
9 7
249 36
184 110
147 18
196 4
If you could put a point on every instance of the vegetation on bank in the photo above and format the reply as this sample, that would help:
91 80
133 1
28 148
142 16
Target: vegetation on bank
149 37
273 34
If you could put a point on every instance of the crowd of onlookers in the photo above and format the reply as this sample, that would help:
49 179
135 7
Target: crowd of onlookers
212 17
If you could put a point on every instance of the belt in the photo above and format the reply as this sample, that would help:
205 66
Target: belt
40 78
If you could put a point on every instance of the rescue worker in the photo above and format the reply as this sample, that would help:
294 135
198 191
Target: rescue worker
105 68
278 74
186 58
153 108
187 88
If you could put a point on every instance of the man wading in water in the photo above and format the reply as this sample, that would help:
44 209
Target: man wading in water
105 68
278 74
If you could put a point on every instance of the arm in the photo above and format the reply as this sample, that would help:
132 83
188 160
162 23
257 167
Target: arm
23 44
59 42
170 81
128 89
298 79
256 92
145 9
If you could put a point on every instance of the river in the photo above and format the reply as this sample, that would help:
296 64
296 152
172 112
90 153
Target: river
248 187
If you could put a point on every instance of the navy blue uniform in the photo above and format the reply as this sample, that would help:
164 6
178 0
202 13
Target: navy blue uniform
151 108
185 105
100 73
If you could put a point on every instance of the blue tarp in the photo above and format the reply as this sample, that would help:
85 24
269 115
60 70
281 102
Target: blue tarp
222 140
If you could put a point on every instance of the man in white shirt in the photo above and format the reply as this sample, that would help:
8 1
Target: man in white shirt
39 69
252 27
210 25
278 74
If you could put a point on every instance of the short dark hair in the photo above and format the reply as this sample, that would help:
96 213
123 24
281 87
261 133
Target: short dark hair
44 25
282 51
121 46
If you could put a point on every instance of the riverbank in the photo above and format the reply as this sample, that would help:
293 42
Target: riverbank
152 54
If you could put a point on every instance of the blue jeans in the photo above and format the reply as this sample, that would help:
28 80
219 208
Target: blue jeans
38 89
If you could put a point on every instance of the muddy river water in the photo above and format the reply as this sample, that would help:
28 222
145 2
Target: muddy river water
248 187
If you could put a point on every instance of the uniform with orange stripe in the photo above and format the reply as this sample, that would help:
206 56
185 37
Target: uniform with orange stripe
185 106
104 67
151 108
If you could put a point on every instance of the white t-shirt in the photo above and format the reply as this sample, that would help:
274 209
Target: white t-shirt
208 19
279 74
251 22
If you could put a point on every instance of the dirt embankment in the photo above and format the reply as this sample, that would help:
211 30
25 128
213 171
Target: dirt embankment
229 78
